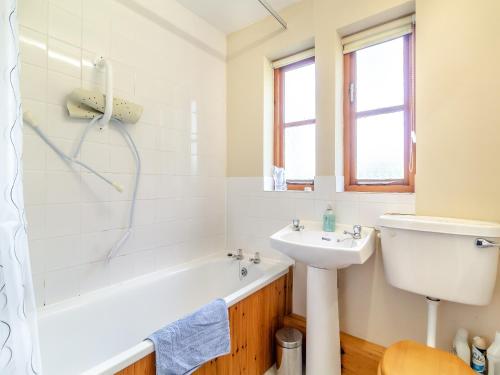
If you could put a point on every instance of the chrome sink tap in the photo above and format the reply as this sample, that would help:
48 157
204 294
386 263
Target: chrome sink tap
256 258
236 256
296 225
356 232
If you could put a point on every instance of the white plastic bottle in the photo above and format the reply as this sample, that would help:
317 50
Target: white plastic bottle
479 355
493 354
461 346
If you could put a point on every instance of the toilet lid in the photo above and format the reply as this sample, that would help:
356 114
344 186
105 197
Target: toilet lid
412 358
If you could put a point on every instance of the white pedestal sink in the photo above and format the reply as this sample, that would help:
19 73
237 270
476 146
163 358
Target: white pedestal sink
324 253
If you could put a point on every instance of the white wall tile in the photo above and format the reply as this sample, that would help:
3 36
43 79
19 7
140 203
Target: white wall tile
63 219
38 110
62 252
97 155
94 276
59 86
37 256
93 189
148 186
64 25
36 217
33 47
35 187
72 6
121 160
63 187
95 217
126 181
121 268
74 218
90 74
34 153
145 213
54 161
33 14
39 285
97 10
253 215
124 78
96 245
64 58
33 82
118 214
62 284
347 212
59 126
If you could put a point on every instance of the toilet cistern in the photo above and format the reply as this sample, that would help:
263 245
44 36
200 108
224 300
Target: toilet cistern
440 258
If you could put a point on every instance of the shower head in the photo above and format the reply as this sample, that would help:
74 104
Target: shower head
88 104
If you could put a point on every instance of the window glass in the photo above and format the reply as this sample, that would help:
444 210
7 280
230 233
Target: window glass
380 147
300 152
299 94
380 76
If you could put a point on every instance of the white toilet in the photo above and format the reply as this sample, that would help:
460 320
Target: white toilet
440 258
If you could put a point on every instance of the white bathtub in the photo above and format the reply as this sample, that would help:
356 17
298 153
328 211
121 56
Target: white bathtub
102 332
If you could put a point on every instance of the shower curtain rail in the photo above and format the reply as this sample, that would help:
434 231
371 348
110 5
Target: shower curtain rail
273 13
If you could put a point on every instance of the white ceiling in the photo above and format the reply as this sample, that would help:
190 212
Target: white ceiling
232 15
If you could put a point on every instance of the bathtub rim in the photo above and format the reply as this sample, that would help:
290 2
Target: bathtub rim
124 359
101 293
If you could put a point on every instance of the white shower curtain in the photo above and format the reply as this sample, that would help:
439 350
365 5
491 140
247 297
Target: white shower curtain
19 350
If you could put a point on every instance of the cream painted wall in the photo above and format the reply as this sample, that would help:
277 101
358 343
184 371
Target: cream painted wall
458 94
458 102
247 51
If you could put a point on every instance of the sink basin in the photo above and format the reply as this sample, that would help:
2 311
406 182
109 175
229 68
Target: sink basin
324 253
328 250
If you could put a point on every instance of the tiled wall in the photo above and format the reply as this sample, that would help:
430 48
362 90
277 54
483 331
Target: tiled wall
74 218
253 215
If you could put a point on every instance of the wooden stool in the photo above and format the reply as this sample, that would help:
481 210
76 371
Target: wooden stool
411 358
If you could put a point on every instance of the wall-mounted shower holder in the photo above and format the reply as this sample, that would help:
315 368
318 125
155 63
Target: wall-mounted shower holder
105 64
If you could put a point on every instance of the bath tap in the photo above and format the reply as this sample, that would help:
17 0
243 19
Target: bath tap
356 232
256 258
237 256
296 225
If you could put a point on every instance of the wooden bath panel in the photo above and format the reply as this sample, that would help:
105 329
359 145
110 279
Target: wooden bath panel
254 322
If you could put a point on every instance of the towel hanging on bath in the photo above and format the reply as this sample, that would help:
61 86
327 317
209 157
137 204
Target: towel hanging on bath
183 346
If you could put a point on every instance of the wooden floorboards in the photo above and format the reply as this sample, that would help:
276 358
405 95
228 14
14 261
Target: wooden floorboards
359 357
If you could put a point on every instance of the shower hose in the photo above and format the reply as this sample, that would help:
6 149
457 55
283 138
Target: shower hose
28 119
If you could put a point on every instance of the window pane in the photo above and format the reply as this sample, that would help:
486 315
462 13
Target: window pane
380 147
300 152
299 94
380 76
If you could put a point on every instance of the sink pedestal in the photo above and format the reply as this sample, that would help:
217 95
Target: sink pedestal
324 253
323 332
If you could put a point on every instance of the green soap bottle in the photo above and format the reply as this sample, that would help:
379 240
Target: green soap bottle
329 220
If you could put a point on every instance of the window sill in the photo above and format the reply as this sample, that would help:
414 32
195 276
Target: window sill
300 187
380 188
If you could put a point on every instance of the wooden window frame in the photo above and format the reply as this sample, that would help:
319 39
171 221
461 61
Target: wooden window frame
279 124
407 184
